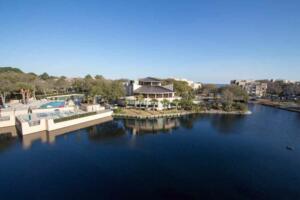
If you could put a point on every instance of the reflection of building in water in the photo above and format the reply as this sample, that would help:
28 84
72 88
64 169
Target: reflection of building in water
50 137
27 140
106 131
139 126
9 130
8 137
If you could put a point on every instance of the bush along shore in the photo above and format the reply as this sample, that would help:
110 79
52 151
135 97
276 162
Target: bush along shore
149 114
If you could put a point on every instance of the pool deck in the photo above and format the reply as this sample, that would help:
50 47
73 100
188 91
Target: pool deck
44 119
49 123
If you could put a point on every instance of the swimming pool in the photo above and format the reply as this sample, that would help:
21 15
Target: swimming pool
53 104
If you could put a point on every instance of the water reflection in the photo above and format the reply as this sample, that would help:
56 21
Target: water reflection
50 137
144 126
226 124
106 131
7 140
189 120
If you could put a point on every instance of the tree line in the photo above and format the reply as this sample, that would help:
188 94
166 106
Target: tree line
16 84
282 89
228 98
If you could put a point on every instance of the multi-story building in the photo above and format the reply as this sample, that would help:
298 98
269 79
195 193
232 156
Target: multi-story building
253 88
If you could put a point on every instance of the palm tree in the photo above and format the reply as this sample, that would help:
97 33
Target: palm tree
140 98
176 102
165 103
126 103
153 103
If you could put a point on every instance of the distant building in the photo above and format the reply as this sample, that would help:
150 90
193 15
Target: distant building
192 84
253 88
149 88
285 81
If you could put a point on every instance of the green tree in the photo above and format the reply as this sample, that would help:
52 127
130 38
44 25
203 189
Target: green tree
154 103
165 103
140 99
176 102
10 69
208 89
239 94
95 91
227 99
6 87
44 76
186 103
25 90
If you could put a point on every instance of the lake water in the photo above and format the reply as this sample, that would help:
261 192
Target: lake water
199 156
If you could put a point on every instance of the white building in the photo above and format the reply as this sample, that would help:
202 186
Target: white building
192 84
253 88
151 90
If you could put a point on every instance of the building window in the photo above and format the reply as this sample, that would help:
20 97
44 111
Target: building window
151 95
159 96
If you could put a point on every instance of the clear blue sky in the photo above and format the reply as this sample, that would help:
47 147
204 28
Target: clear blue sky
208 41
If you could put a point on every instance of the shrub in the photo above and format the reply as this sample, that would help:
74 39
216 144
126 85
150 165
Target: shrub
241 107
118 110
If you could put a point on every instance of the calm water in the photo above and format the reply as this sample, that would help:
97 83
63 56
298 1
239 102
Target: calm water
204 156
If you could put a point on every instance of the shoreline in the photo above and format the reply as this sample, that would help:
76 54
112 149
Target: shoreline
179 114
277 105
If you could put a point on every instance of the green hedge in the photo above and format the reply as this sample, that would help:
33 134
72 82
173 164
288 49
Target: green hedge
74 117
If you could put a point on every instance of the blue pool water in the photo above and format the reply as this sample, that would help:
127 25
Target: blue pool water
54 104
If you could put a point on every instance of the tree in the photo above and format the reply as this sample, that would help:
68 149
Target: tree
153 103
95 91
99 77
239 94
78 85
10 69
165 103
61 84
181 88
186 103
116 90
25 90
275 88
176 103
227 99
140 99
44 76
209 89
6 87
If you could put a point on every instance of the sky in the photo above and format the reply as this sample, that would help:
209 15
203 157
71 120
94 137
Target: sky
206 41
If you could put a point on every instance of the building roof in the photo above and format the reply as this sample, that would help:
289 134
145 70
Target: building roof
145 89
150 79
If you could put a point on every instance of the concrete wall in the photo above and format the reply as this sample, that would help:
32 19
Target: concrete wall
9 122
26 128
54 126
